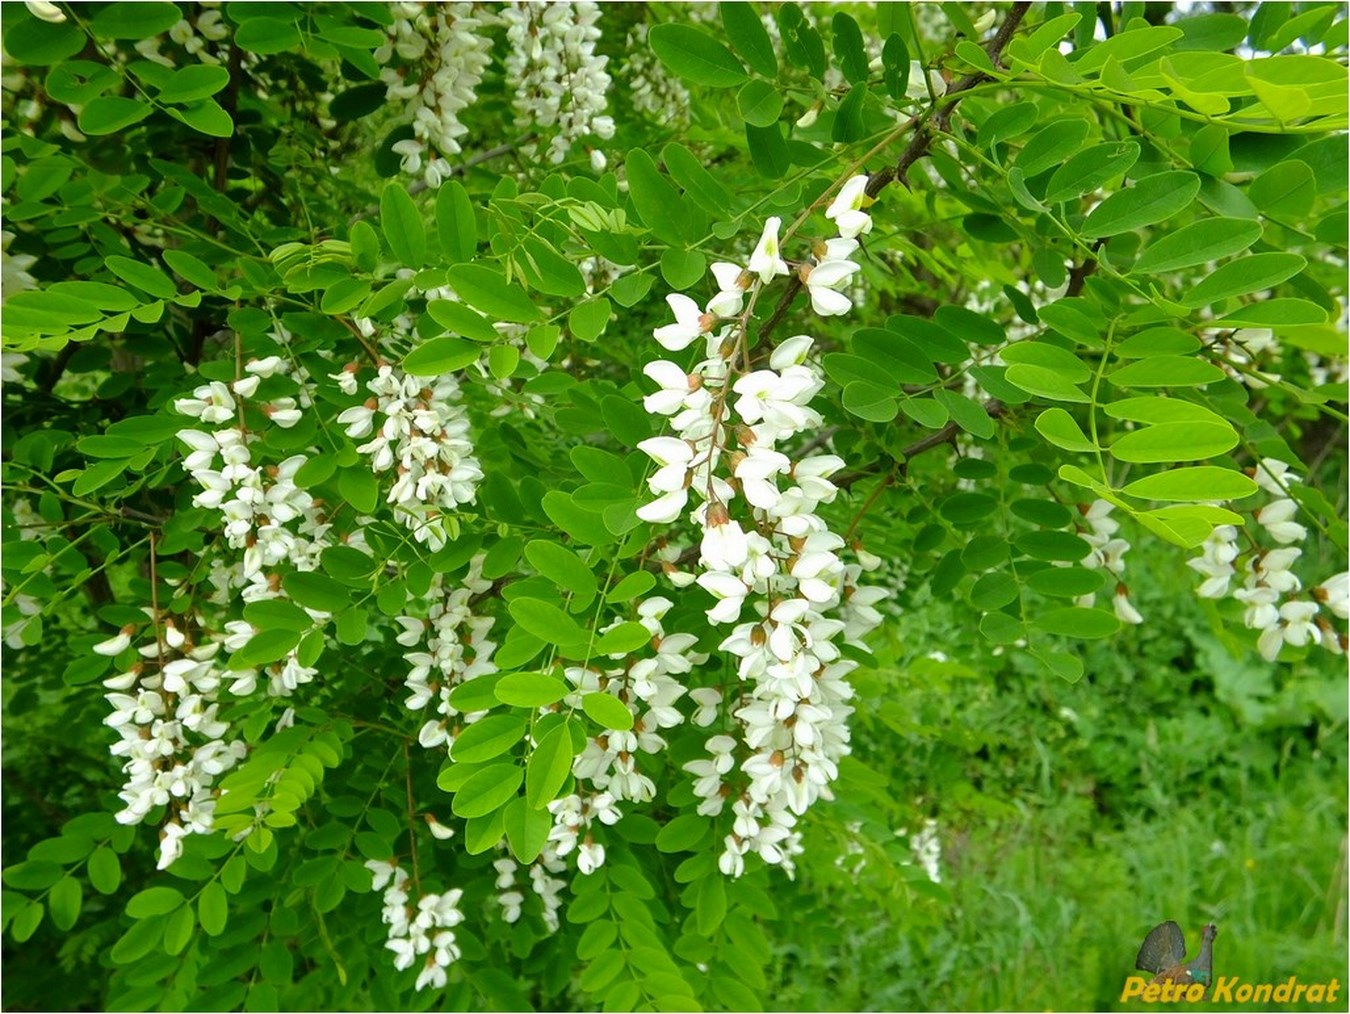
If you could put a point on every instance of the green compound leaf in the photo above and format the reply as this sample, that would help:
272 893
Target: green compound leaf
549 767
1151 200
608 711
696 56
1167 442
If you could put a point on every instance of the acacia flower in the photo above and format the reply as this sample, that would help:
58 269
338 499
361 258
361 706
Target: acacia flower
765 261
846 211
690 322
822 283
732 281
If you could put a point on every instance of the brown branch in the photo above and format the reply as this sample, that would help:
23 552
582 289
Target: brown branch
230 103
794 286
917 147
923 134
938 438
1079 275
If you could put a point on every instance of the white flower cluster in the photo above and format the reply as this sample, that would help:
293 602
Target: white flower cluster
1108 554
266 515
649 689
608 765
443 51
165 710
777 555
257 503
927 848
1270 586
557 80
508 897
653 90
572 820
201 37
425 930
456 649
547 887
14 276
423 433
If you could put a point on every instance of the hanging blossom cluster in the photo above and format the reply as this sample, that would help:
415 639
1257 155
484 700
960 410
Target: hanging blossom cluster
764 550
165 711
1270 590
1108 554
205 37
926 847
442 50
165 707
423 930
451 646
558 81
653 90
608 765
418 427
265 514
547 887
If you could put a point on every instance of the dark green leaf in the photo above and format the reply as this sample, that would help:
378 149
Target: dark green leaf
1152 199
548 768
402 225
696 56
747 35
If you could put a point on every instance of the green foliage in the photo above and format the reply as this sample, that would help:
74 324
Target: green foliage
417 585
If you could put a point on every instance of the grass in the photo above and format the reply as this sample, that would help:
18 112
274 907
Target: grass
1182 778
1048 916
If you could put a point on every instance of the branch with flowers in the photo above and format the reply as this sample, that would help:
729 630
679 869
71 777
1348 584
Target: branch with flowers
433 612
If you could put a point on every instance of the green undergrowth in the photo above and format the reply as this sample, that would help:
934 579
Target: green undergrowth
1183 778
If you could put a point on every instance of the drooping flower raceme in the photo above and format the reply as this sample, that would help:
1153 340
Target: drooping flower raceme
1108 554
423 930
557 80
419 429
1272 594
165 709
450 646
442 50
608 769
774 570
166 706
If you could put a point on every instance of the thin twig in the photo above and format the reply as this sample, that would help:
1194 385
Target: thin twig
923 135
938 438
412 813
918 146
